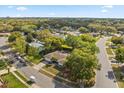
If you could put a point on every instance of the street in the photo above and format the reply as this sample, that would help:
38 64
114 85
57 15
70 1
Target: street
105 77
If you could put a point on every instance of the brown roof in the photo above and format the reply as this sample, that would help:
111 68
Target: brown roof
60 56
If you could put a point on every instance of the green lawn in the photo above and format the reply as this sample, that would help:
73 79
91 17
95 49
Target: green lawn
117 74
13 82
21 76
2 64
52 69
35 60
109 51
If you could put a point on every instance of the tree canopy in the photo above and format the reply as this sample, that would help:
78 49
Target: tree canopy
81 65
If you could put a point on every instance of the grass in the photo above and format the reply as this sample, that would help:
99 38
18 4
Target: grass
109 51
117 74
2 64
34 60
12 81
107 43
51 68
21 76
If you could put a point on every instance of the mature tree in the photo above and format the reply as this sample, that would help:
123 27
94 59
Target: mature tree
73 41
13 36
28 28
20 45
81 65
29 38
8 28
33 51
1 27
83 30
120 55
110 29
44 34
117 40
87 38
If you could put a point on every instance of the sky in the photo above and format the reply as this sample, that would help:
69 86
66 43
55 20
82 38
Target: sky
95 11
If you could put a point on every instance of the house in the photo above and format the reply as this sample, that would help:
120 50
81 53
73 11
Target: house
37 44
59 35
74 33
95 34
58 55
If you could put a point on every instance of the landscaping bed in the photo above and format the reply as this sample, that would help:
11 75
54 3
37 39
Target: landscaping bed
12 81
117 74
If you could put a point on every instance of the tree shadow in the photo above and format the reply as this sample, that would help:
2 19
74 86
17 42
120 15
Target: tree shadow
62 82
110 75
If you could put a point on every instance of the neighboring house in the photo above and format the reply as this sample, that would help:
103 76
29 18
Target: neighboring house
4 34
95 34
37 44
60 35
58 55
75 33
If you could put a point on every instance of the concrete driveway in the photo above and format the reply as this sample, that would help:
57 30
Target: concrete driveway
105 77
41 80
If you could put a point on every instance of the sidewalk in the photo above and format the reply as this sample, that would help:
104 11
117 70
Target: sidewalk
39 66
20 79
5 71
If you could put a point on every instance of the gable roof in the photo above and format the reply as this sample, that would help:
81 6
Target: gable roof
60 56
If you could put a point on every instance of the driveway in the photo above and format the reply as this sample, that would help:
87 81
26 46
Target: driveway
41 80
105 77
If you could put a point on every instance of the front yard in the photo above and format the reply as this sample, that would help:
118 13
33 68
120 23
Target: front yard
109 51
2 64
12 81
53 69
32 59
117 74
21 76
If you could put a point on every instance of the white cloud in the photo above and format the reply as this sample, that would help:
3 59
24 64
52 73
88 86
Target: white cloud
10 6
21 8
18 15
107 6
104 11
52 14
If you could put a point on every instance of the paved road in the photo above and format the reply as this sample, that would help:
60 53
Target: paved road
41 80
105 77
